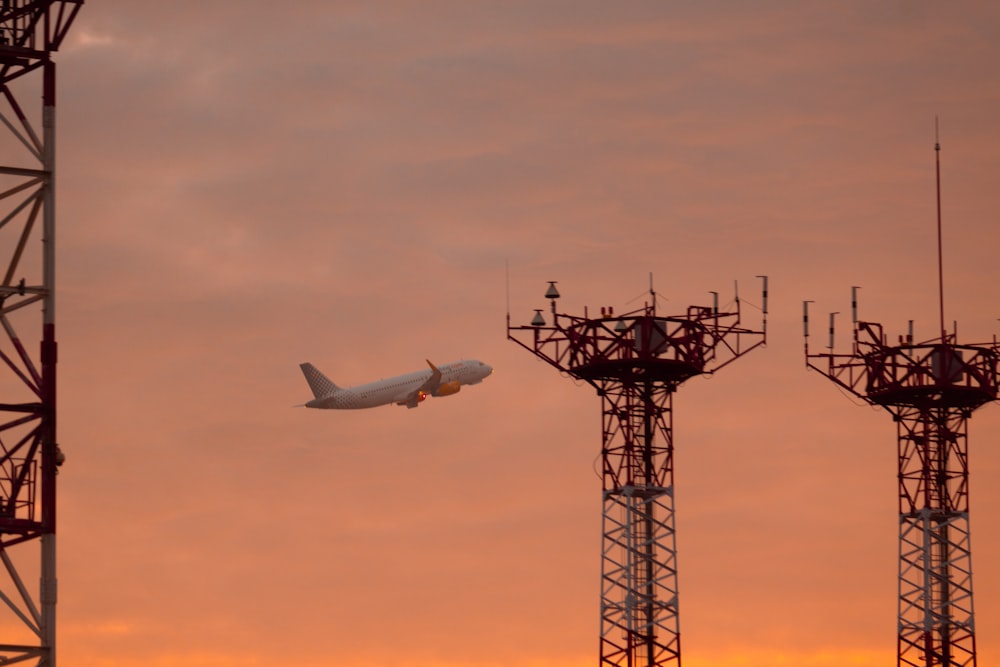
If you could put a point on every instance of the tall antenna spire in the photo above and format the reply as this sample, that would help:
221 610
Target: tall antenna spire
937 169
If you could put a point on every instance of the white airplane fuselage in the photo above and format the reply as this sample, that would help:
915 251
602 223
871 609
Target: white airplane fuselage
409 390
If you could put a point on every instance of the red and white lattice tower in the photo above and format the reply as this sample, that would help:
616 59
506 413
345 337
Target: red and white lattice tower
636 361
30 31
931 389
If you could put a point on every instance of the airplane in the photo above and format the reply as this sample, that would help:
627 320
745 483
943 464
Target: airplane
409 390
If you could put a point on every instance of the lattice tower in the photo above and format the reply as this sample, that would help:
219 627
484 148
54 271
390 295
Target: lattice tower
30 32
636 362
931 389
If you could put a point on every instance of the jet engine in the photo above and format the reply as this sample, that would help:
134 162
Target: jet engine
448 388
419 398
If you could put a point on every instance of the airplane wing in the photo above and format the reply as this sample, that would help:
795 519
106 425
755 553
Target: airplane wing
412 399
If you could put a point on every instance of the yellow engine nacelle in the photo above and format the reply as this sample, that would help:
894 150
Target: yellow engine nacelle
448 388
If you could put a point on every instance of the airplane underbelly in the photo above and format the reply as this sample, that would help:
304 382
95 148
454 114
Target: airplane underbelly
349 401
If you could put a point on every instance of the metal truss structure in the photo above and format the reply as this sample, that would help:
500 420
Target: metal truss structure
30 31
931 389
636 361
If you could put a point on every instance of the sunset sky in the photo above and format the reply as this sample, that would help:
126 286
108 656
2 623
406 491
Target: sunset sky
244 186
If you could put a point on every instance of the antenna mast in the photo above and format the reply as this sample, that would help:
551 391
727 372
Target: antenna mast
931 389
636 361
937 171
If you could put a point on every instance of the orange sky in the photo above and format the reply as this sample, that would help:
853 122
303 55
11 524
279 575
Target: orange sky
246 186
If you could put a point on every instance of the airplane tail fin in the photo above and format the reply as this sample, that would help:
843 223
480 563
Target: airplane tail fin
320 384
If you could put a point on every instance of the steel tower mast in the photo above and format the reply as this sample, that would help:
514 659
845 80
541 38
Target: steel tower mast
636 361
931 389
30 31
